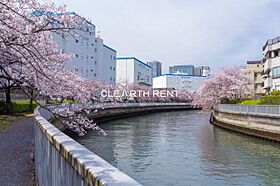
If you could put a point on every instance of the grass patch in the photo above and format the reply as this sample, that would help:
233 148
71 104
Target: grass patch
252 102
59 102
7 120
17 106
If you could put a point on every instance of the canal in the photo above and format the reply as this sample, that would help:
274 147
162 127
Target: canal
182 148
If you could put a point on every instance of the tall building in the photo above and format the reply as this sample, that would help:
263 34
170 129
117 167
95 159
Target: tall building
91 57
271 54
182 69
131 70
254 70
202 71
190 83
156 68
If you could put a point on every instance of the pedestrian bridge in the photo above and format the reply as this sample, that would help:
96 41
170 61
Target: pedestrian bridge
61 161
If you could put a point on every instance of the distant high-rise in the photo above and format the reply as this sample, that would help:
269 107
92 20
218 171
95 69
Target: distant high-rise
181 69
202 71
156 68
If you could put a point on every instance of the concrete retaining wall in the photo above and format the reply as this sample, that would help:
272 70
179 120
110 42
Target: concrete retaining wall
254 124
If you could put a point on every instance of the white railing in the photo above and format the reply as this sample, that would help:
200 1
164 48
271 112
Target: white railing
253 109
79 106
61 161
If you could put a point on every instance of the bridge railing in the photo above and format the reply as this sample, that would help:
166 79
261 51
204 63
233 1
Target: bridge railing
253 109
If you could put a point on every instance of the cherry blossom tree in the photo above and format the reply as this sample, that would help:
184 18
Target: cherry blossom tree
29 57
229 83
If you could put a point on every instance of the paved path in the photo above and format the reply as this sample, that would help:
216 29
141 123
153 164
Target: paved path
16 168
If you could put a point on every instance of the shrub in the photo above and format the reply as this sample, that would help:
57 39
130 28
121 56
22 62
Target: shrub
252 102
17 106
275 93
233 101
271 100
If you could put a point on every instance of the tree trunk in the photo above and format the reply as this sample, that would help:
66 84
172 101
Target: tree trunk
31 100
8 100
30 104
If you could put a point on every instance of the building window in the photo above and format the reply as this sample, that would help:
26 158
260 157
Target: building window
77 41
92 44
111 67
95 62
275 53
91 70
94 75
77 55
91 57
114 69
111 78
95 49
276 72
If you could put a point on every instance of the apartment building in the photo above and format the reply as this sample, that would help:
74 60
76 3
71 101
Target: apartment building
271 55
254 70
131 70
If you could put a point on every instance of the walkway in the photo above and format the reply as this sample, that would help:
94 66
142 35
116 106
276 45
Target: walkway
15 154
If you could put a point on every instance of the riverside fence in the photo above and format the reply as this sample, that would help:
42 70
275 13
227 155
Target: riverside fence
250 109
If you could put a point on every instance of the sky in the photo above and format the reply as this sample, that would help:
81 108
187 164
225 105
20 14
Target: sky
215 33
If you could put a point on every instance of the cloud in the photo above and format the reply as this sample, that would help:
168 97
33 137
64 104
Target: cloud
217 33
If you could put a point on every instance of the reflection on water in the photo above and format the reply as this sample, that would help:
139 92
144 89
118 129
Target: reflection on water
182 148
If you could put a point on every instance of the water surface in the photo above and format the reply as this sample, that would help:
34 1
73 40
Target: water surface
182 148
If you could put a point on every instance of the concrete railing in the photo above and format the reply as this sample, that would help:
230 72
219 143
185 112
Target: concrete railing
61 161
252 109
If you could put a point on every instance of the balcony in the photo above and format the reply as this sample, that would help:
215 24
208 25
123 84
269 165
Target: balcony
267 83
267 66
265 76
271 42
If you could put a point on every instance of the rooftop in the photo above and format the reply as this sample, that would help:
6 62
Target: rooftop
254 62
109 48
135 59
271 42
181 75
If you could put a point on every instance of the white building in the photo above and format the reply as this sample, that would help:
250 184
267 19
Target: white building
91 58
271 54
179 82
131 70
